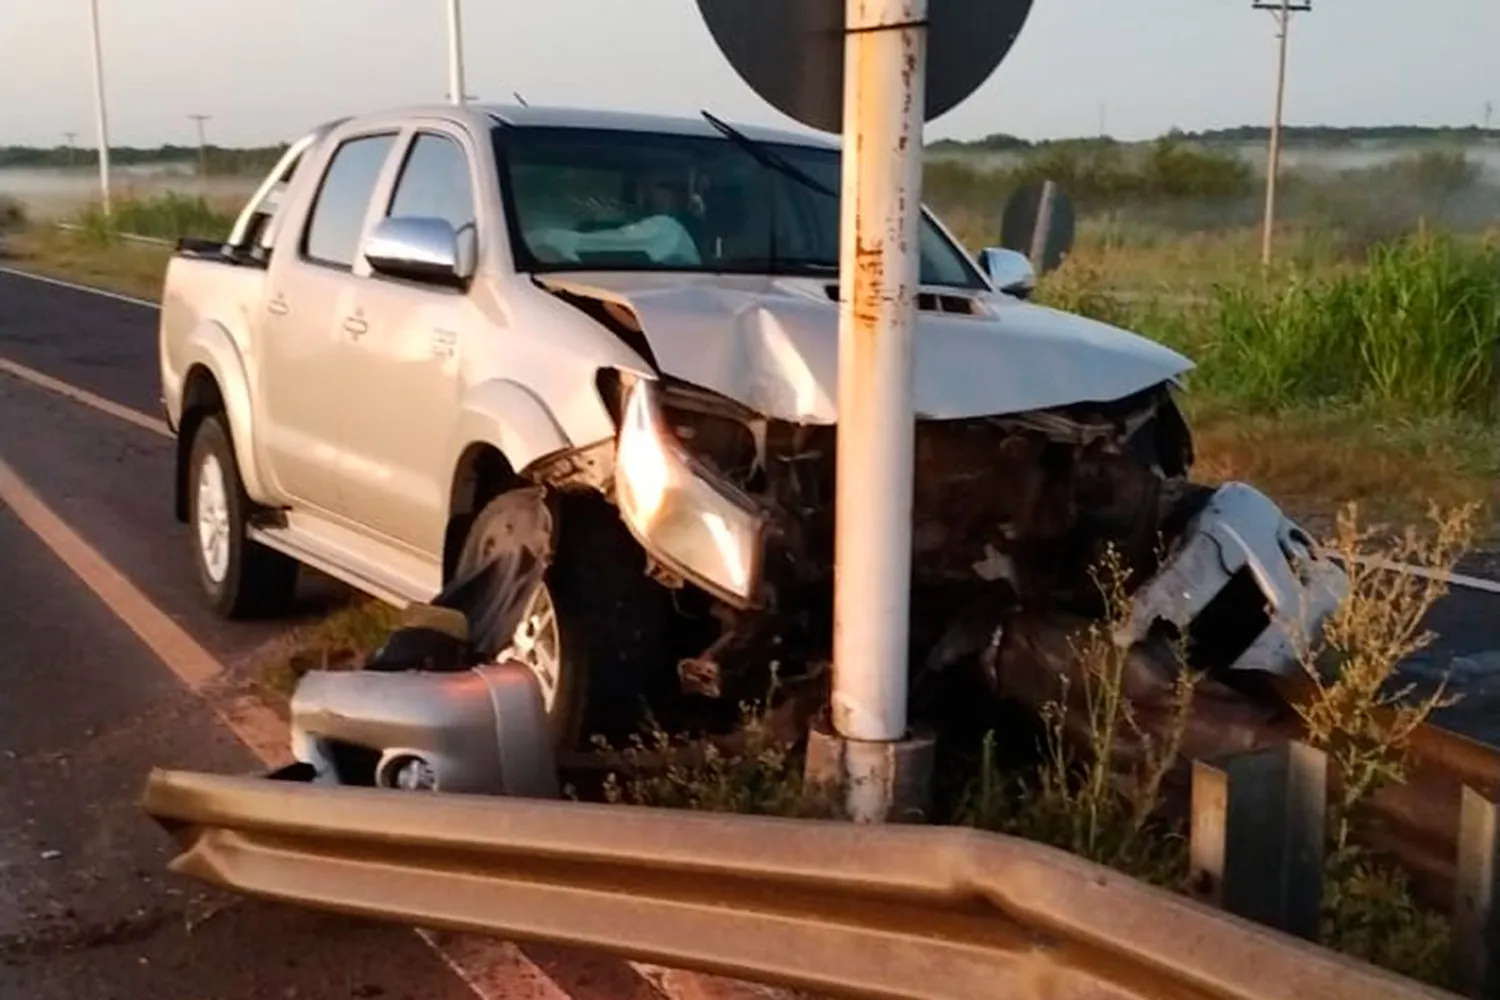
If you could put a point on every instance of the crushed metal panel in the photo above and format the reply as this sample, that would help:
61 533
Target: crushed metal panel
772 345
1243 530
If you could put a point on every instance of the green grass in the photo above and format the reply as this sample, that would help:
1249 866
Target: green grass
340 641
1414 331
167 216
129 268
1330 379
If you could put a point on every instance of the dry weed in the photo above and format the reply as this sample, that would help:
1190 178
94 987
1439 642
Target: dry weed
1358 711
1098 804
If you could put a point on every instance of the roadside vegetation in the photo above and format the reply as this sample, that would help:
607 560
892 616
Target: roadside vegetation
339 641
166 216
12 215
1092 798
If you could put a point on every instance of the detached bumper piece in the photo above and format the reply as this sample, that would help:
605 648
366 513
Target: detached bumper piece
482 730
1247 587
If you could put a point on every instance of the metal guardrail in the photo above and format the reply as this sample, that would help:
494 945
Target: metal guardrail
155 241
837 908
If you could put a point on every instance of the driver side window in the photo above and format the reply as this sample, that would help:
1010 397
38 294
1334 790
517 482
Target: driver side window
435 182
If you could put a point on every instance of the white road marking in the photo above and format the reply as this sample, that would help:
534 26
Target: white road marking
1452 579
74 286
192 664
491 973
85 397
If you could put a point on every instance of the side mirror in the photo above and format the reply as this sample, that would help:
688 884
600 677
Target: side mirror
1008 270
417 248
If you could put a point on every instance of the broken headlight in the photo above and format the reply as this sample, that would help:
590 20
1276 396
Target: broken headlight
693 521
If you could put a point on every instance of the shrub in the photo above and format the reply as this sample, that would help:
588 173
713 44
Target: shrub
12 214
1356 711
1416 329
166 216
759 774
1078 801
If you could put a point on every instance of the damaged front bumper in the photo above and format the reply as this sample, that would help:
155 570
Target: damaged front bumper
481 730
1246 585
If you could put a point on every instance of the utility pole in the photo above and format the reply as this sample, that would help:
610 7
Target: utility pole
1282 10
1489 112
70 136
202 145
99 109
456 93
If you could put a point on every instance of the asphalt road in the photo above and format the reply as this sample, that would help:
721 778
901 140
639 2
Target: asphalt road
86 709
87 908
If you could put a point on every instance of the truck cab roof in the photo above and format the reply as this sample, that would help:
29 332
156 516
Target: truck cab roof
538 116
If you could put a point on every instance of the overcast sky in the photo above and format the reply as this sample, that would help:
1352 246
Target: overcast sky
266 69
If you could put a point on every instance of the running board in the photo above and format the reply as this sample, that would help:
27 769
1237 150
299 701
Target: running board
315 543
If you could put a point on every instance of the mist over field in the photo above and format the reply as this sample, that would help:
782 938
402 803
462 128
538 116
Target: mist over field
59 191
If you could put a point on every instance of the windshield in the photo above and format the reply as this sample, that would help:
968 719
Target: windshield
595 199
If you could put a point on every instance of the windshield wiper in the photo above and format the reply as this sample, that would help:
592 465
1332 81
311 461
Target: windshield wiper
766 156
779 266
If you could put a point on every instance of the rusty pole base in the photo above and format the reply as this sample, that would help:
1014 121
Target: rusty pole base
878 782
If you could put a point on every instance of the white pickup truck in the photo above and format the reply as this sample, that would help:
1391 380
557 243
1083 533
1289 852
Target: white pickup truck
606 346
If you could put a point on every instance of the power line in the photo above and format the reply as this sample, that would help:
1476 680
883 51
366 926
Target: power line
1282 11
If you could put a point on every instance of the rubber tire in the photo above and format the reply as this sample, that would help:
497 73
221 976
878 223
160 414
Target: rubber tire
259 581
611 618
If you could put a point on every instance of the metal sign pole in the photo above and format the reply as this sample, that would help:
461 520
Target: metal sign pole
885 53
456 92
102 120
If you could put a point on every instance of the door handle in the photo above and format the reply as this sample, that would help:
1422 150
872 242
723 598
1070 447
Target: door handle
277 306
355 326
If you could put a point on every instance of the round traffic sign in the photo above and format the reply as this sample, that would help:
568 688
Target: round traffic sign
791 52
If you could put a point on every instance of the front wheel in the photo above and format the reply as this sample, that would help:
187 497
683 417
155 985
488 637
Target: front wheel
240 577
594 630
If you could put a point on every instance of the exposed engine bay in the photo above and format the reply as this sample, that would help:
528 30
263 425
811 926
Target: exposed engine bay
1008 513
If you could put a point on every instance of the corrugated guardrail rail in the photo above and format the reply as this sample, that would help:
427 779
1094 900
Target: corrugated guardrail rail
128 237
835 908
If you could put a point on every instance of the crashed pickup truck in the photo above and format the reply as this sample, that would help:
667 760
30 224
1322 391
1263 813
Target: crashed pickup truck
564 383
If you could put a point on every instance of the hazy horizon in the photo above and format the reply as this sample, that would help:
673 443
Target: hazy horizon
266 72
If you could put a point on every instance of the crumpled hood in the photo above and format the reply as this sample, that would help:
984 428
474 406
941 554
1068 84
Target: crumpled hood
772 345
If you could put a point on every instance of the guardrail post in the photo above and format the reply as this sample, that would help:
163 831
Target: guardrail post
1256 841
1476 909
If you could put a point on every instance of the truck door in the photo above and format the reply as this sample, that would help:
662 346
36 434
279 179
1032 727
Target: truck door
309 298
402 369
